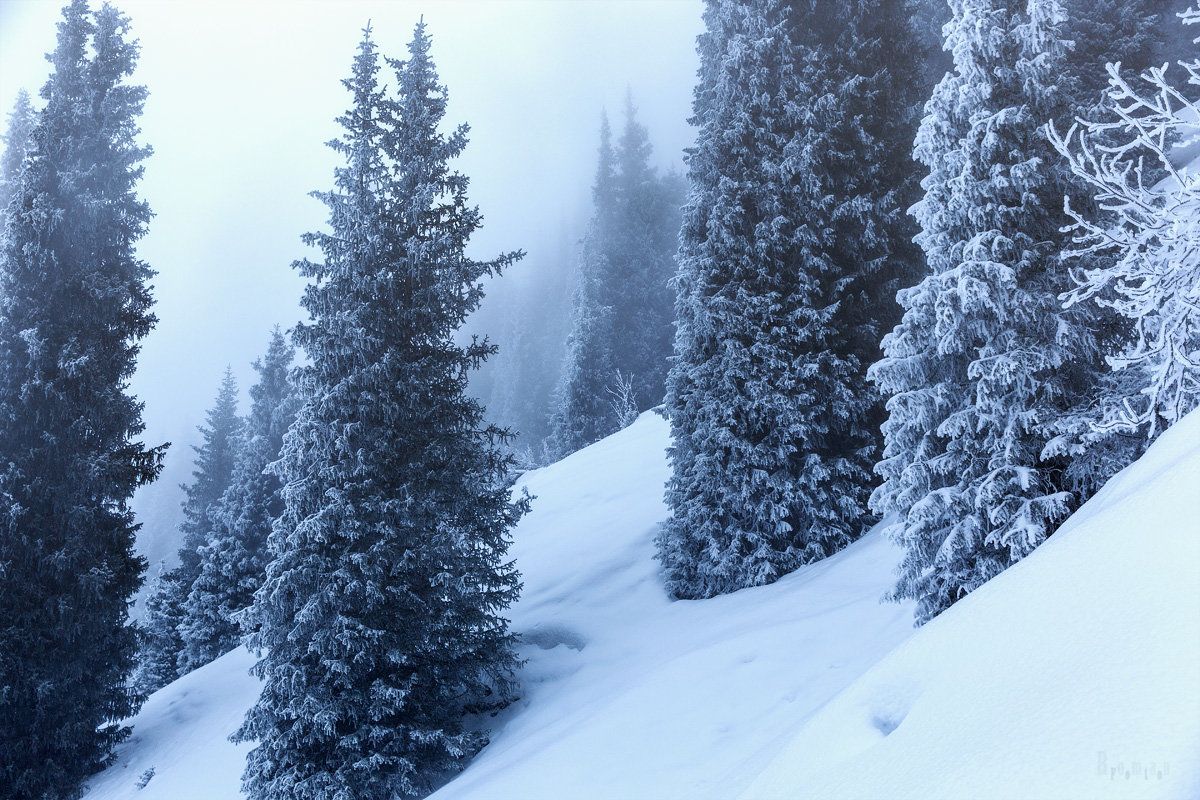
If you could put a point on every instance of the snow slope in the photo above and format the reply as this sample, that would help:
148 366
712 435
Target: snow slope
627 695
182 733
1074 674
1083 656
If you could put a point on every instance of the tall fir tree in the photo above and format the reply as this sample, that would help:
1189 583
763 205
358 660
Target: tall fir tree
220 442
985 359
793 243
232 560
643 242
379 622
162 641
74 303
622 308
581 414
17 138
863 66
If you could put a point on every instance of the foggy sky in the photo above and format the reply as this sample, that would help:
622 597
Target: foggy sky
242 97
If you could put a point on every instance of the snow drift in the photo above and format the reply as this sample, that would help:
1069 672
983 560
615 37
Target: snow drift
1054 680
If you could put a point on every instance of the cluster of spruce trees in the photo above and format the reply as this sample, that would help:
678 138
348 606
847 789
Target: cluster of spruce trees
352 528
816 346
622 311
588 338
229 508
838 313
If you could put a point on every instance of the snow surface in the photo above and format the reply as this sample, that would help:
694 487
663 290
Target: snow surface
1073 674
1051 681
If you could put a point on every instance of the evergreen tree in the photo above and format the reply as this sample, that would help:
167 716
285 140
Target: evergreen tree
581 415
17 138
211 476
233 559
622 308
643 244
378 622
1131 32
985 360
160 643
863 65
220 441
794 239
74 302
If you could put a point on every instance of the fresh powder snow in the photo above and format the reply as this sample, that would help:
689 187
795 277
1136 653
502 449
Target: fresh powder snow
1073 674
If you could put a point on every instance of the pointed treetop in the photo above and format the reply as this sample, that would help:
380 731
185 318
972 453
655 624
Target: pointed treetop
634 148
17 140
70 53
602 189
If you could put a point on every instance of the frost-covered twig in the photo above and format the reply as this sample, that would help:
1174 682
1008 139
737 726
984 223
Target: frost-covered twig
1149 234
623 399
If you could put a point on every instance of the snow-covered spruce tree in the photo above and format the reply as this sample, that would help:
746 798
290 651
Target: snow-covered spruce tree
1132 32
74 302
220 442
622 307
581 415
1148 237
378 622
985 359
162 642
862 66
17 138
642 246
792 235
232 561
159 641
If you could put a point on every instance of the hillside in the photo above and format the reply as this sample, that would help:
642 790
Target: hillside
1074 674
1080 661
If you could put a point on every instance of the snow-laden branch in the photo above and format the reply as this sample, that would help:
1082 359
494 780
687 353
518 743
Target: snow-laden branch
1148 232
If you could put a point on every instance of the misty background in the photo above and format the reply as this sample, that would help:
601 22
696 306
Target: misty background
243 97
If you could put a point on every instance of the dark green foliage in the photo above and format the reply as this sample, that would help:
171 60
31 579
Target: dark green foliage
793 244
74 302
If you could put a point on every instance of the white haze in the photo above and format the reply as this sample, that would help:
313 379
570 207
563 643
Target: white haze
244 94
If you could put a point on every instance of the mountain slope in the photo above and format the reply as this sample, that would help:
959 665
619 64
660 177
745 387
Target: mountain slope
1074 674
626 693
1084 655
664 699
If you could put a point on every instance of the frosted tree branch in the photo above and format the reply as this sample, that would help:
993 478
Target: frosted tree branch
1152 231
